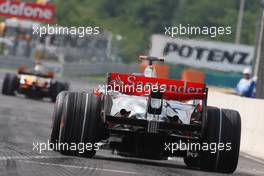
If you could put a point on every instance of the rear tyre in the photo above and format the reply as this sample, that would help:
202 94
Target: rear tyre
10 84
81 123
5 84
70 117
93 126
223 129
56 118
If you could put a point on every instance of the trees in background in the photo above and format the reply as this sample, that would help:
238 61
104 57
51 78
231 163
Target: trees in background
136 20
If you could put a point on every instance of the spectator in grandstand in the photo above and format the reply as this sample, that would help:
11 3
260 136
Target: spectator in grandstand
247 85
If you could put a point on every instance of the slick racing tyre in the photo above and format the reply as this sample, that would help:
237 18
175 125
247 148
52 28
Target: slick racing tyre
93 126
70 123
10 84
223 128
56 118
81 123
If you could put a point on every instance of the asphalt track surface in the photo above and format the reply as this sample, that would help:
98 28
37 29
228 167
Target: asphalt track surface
25 121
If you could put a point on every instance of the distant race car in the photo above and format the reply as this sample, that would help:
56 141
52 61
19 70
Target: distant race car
147 117
34 83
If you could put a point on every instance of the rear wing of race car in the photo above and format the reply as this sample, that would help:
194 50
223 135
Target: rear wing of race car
142 86
23 70
171 89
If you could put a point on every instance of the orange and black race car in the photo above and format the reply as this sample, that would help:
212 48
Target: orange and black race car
37 82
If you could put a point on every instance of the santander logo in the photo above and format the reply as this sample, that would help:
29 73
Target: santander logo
183 88
28 10
139 84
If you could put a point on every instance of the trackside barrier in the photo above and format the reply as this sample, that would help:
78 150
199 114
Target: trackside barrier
12 62
252 119
71 69
90 68
192 75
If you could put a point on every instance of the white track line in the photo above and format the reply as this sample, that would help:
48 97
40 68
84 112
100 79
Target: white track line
27 157
80 167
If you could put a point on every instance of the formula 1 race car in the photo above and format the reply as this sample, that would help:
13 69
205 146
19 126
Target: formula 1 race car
34 83
147 117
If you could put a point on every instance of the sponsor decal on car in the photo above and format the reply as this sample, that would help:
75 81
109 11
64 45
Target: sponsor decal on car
140 85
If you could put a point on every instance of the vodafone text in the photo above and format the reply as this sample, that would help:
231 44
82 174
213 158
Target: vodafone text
27 10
